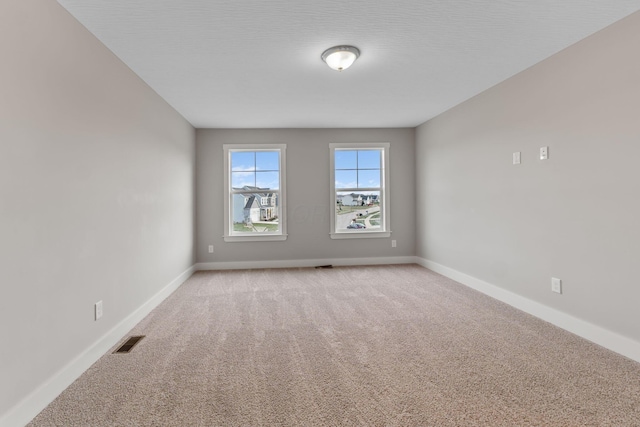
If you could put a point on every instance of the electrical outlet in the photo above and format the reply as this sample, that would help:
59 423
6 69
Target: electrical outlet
210 249
556 285
98 309
544 153
393 243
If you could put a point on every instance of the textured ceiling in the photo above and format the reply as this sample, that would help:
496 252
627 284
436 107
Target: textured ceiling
256 63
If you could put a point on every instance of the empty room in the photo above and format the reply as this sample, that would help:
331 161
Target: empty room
335 213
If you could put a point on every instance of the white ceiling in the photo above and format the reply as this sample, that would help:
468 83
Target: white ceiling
256 63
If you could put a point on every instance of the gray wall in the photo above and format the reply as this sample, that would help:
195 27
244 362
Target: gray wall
574 216
307 195
96 193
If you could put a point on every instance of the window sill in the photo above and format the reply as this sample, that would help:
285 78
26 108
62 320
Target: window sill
361 235
263 238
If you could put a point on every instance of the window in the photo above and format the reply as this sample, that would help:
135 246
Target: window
360 190
254 192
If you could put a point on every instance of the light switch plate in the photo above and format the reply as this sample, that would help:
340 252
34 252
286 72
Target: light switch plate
516 158
556 285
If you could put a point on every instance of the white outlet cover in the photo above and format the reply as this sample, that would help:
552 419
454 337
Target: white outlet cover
544 153
556 285
98 309
210 249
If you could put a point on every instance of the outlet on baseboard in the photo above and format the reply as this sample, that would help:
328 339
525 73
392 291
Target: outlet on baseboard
98 309
556 285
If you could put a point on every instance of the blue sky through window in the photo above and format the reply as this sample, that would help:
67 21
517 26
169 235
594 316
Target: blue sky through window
267 161
267 180
243 161
255 169
346 159
240 179
369 159
346 179
357 168
368 178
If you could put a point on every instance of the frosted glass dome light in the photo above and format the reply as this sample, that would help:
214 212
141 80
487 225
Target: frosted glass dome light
340 57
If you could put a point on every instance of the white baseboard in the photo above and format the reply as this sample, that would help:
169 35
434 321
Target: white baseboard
30 406
594 333
245 265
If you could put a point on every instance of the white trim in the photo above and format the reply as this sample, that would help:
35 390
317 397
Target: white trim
25 410
360 234
296 263
36 401
259 237
589 331
229 236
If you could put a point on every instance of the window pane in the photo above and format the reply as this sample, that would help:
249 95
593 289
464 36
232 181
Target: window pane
243 161
255 213
240 179
368 178
346 179
346 159
369 159
358 211
267 161
268 180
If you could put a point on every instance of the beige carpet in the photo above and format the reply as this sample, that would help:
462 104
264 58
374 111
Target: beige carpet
349 346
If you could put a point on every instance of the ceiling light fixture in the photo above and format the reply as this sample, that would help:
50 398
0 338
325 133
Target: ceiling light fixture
340 57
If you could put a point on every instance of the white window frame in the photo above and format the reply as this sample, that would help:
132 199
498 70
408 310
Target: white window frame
385 223
229 234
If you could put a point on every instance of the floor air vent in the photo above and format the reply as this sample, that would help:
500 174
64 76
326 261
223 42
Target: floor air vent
129 344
